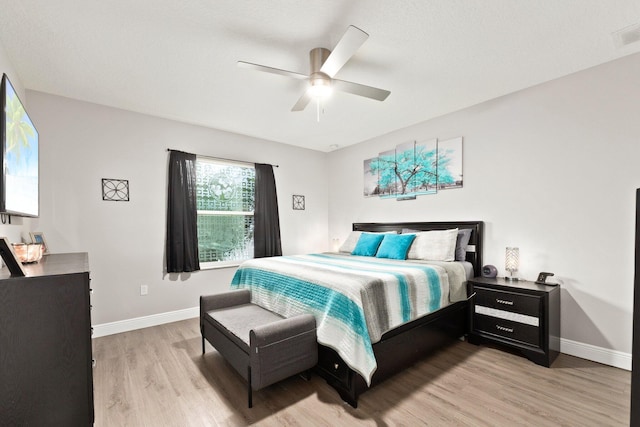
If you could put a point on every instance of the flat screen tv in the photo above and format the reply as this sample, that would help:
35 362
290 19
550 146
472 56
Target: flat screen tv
19 185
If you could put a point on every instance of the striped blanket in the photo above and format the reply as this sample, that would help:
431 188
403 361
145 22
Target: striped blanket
354 299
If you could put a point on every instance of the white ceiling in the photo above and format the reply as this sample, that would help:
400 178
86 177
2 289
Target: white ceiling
177 58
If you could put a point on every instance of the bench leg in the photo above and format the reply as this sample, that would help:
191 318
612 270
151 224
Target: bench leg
250 395
203 344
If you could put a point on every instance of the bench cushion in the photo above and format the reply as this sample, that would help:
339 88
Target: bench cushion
236 322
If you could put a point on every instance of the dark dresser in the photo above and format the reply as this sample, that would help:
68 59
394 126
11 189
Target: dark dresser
521 315
45 344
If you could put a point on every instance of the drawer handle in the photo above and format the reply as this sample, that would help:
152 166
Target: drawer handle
505 329
504 301
336 366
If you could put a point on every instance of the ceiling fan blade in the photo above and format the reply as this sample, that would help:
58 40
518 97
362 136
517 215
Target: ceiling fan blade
361 90
272 70
302 102
344 50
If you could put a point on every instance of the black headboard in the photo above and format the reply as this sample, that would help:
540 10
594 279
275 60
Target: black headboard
477 230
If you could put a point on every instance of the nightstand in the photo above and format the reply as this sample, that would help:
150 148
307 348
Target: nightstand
521 315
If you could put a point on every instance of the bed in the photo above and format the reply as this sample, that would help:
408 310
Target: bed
375 316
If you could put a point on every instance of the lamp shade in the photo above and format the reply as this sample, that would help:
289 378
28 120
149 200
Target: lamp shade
512 260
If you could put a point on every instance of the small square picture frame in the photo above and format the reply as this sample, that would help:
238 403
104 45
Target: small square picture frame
115 190
38 237
11 259
298 202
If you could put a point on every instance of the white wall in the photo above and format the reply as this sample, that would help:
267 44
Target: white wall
553 170
81 143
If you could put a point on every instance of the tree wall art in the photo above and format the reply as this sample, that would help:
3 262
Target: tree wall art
414 168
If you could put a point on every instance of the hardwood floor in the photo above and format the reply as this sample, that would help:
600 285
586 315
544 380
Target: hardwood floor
158 377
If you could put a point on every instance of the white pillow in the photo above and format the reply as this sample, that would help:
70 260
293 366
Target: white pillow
350 244
435 245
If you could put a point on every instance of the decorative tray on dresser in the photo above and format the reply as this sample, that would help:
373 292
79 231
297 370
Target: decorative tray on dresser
521 315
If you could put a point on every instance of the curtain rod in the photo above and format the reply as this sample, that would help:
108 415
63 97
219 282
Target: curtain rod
222 158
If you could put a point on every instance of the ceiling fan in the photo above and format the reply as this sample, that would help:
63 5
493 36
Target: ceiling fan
324 65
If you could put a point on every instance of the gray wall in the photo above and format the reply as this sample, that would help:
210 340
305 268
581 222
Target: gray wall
553 170
81 143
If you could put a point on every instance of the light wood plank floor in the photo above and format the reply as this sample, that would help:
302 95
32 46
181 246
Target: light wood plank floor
158 377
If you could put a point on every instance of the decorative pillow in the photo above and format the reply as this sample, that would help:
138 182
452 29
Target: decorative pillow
435 245
462 242
350 244
368 244
395 246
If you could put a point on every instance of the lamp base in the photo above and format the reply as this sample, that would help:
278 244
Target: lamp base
511 278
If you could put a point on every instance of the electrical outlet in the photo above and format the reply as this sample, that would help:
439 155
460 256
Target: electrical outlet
144 289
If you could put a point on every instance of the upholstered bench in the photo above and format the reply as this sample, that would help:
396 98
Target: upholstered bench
262 346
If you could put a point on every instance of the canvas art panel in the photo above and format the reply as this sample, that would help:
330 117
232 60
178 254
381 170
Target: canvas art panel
384 165
419 165
370 179
450 164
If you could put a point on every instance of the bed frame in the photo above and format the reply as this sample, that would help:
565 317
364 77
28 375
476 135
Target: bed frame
405 345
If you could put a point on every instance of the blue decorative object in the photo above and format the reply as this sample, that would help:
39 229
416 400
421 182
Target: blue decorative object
395 246
368 244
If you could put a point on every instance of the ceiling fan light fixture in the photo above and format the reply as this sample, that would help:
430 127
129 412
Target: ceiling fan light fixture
320 88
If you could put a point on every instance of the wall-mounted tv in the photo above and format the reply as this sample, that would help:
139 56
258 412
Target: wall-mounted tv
19 185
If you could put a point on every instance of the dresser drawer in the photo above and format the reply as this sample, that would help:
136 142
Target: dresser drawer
507 329
509 301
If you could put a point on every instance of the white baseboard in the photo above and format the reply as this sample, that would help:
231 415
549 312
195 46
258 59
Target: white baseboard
144 322
602 355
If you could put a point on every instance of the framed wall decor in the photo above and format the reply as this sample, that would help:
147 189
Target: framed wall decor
116 190
414 168
38 237
298 202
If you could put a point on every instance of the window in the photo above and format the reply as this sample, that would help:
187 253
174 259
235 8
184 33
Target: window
225 194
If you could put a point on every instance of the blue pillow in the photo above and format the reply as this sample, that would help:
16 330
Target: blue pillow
395 246
368 244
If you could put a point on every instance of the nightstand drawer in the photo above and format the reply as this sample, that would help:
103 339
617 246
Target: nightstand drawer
507 329
521 315
509 301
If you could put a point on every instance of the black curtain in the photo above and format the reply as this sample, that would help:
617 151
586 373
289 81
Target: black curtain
182 229
266 221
